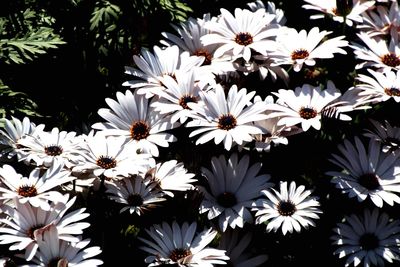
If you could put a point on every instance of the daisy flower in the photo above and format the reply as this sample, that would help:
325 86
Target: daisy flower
239 34
304 105
289 209
233 186
380 86
228 119
386 134
380 21
171 176
377 53
236 246
349 14
133 117
37 189
23 220
15 130
135 193
152 67
299 48
370 239
45 147
271 9
367 173
110 157
53 251
181 245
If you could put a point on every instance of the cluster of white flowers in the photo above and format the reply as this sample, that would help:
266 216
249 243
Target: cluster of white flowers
189 83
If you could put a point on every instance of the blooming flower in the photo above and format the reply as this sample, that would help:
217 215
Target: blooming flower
134 118
386 134
370 239
226 119
289 209
181 245
234 186
367 173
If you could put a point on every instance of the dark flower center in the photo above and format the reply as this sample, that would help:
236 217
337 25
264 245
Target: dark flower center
226 122
307 113
369 181
58 262
227 200
139 130
186 99
53 150
106 162
392 91
179 253
32 230
135 200
244 38
300 54
369 241
204 53
286 208
27 191
391 60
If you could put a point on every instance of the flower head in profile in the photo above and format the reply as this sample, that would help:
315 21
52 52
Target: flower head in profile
52 251
233 186
228 119
299 48
290 208
133 117
14 130
38 189
367 172
370 239
181 245
135 193
386 134
23 220
241 33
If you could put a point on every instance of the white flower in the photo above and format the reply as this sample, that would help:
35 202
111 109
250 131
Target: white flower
241 33
386 134
369 239
233 187
367 173
52 250
37 189
228 119
299 48
290 209
171 176
181 245
271 9
15 130
24 220
134 193
133 117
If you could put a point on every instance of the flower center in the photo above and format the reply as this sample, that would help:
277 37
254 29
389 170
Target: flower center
27 191
106 162
139 130
227 200
369 181
307 113
391 60
58 262
369 241
226 122
392 91
179 253
300 54
53 150
186 99
244 38
32 230
286 208
204 53
135 200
